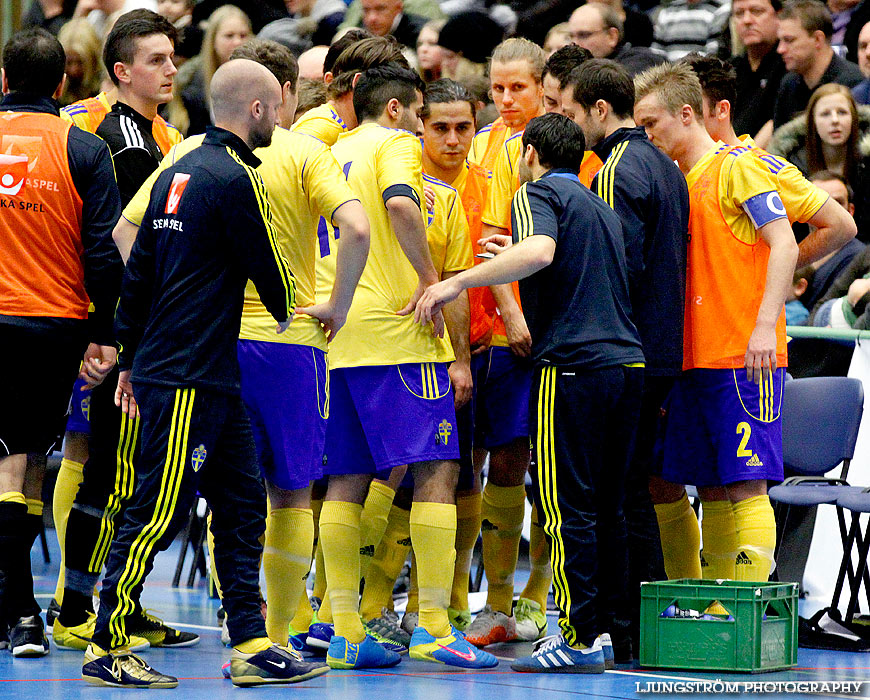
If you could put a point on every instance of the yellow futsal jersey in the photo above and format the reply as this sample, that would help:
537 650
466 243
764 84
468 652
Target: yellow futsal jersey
487 143
305 185
447 230
801 198
504 183
378 162
322 123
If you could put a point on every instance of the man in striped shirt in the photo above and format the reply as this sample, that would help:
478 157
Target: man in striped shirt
684 26
650 195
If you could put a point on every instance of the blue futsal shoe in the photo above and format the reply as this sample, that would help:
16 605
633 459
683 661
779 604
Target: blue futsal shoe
368 653
607 651
320 635
554 655
452 650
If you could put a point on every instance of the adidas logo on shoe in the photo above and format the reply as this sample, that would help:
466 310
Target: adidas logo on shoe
754 461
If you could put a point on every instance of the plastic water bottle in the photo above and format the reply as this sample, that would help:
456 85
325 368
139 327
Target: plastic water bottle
674 610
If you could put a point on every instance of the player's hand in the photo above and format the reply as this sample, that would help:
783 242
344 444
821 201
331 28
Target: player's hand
857 290
330 318
429 194
496 243
428 304
124 395
97 363
460 378
760 357
284 325
518 336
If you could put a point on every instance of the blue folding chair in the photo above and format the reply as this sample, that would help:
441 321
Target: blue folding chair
820 421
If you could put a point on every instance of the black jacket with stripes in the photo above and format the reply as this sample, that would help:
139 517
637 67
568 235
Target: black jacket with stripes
207 230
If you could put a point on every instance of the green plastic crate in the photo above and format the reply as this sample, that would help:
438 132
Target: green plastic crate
762 636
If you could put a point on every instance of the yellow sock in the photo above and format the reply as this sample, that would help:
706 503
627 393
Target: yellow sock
433 531
13 497
413 604
304 615
720 540
286 559
502 513
319 590
34 506
339 537
209 542
387 564
540 569
69 476
681 538
467 531
756 538
254 646
373 522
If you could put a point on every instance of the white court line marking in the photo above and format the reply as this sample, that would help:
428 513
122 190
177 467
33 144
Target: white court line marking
644 674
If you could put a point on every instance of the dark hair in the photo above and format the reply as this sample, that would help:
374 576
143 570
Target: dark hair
563 61
362 55
34 62
718 78
377 86
445 91
121 43
558 141
351 36
804 273
813 15
603 79
274 56
828 175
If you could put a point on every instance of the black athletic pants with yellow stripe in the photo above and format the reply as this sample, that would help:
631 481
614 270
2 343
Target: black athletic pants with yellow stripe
583 425
107 484
191 439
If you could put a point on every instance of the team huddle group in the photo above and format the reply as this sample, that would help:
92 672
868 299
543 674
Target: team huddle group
300 323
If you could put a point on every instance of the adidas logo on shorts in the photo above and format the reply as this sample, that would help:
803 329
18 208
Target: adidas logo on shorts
742 558
367 551
753 461
404 542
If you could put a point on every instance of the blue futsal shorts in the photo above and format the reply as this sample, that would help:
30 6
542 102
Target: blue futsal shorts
720 428
80 408
285 389
388 415
502 384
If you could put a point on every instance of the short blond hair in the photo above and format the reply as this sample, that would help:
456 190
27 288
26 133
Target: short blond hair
519 49
676 84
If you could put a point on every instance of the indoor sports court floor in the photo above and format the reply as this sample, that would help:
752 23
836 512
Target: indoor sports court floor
57 676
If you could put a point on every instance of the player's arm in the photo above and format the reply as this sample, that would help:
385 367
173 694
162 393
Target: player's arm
761 350
134 211
245 204
350 218
834 228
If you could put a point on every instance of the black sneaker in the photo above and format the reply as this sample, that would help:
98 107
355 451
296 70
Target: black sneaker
158 633
274 665
124 670
28 639
51 614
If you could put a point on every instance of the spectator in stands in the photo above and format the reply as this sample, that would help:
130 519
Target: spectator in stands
83 67
845 305
829 269
760 68
841 16
324 16
557 37
804 33
103 13
638 27
861 92
180 13
48 14
429 53
259 12
227 28
684 26
467 41
598 28
388 17
796 313
430 9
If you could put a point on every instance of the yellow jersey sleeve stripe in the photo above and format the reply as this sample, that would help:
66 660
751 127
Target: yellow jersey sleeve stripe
525 225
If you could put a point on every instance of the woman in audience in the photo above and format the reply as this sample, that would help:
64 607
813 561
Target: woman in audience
429 53
83 62
227 28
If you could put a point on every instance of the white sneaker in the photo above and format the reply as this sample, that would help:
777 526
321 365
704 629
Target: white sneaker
491 627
